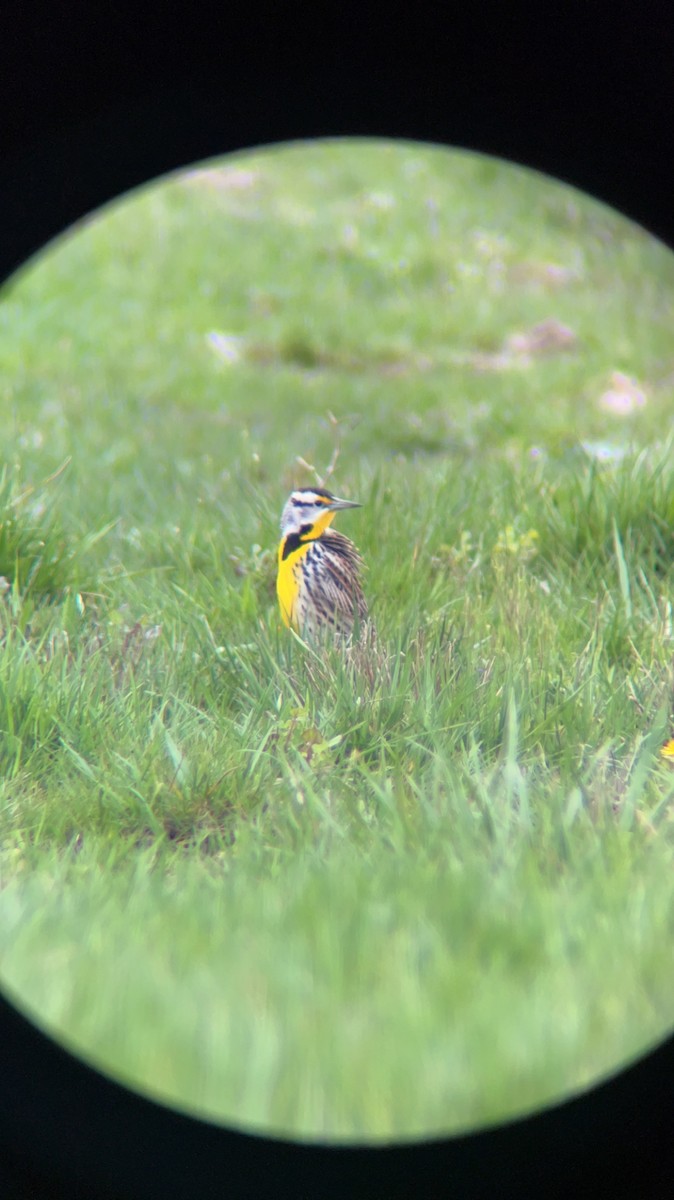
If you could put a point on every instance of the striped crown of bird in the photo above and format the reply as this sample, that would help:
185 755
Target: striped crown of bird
318 582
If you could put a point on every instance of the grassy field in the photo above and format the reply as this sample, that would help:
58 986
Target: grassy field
410 894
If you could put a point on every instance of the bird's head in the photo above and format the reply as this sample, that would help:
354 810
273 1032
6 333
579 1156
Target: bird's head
309 511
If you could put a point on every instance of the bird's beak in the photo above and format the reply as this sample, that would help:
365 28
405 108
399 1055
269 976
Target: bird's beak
335 504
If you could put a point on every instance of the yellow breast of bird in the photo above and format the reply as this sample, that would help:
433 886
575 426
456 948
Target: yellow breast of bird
288 581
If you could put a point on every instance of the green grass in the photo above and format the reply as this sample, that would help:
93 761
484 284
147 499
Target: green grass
414 891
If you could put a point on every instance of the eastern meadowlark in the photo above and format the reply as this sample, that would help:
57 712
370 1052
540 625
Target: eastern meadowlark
318 581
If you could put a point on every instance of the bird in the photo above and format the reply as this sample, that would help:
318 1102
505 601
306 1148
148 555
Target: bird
318 581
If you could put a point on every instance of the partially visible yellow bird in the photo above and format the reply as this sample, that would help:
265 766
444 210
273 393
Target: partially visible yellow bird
318 582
